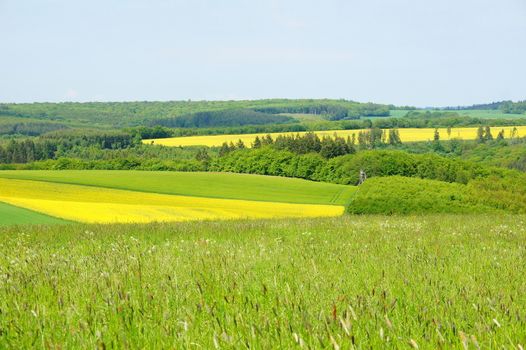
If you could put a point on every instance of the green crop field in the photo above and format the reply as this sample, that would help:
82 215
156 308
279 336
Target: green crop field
476 113
11 215
213 185
354 282
490 114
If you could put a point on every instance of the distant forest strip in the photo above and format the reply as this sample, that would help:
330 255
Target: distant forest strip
29 128
183 118
127 114
508 107
226 118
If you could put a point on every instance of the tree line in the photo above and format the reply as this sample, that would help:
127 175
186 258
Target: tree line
223 118
53 145
326 146
29 128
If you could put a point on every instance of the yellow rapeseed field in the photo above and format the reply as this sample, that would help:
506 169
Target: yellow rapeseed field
102 205
406 135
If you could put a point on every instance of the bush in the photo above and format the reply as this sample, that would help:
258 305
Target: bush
402 195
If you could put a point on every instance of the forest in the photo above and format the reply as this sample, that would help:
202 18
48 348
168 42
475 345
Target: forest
127 114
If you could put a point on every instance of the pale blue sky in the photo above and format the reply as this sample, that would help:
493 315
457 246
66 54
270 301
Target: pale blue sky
416 52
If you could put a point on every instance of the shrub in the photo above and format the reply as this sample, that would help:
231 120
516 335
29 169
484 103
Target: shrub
402 195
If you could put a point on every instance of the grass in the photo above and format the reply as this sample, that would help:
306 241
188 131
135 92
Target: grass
406 135
212 185
490 114
11 215
483 114
103 205
352 282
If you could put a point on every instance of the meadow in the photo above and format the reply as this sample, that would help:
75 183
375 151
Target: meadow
489 114
148 202
475 113
428 282
406 135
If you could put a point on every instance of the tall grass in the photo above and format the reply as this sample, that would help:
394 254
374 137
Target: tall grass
351 282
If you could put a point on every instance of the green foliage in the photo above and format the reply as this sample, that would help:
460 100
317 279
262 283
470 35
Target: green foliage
500 153
56 144
371 282
346 169
518 107
328 147
225 118
506 192
403 195
335 110
267 161
28 128
129 114
156 132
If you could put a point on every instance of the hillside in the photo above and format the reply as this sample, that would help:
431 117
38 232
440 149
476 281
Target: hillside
126 114
131 197
213 185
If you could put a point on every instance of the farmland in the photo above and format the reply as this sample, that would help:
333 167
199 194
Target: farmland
106 205
406 135
199 184
476 113
103 244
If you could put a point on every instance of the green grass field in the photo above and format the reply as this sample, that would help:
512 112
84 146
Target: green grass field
367 282
214 185
11 215
489 114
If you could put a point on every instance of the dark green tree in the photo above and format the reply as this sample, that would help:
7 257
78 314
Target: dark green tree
487 134
240 144
257 143
480 135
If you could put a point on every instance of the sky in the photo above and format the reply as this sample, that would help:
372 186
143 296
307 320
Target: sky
404 52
